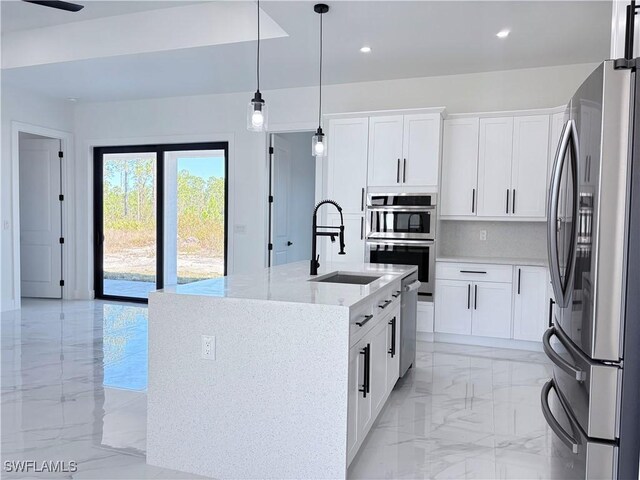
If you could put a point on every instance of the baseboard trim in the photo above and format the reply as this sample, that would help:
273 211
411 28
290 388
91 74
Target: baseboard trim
487 341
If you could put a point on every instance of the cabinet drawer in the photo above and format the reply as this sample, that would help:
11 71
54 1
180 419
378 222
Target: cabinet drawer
474 272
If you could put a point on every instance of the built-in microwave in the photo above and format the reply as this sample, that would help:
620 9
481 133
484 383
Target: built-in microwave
401 229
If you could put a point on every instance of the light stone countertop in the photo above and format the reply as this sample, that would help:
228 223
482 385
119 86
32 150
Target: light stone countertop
534 262
289 283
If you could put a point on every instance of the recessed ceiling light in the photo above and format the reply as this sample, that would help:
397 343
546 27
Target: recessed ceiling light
72 99
365 49
503 33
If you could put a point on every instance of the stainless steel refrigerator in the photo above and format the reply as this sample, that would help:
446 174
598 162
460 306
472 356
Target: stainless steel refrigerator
592 401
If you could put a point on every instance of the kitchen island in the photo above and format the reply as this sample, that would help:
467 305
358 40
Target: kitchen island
275 374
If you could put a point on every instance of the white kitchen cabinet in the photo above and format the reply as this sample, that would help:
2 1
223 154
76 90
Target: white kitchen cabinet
364 408
393 348
530 303
347 162
379 347
491 309
453 307
353 239
425 317
529 166
557 124
355 377
494 166
421 149
385 151
458 193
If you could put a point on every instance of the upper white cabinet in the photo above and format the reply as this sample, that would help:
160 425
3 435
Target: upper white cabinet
385 151
494 166
529 167
459 167
347 162
404 150
509 178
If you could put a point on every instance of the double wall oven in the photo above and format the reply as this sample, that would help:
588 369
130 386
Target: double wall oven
401 229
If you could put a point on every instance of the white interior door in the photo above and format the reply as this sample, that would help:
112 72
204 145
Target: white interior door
281 192
40 219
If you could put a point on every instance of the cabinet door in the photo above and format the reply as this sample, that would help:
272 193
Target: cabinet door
347 162
421 150
530 315
459 189
494 166
353 239
491 304
385 151
529 166
379 346
453 307
393 349
557 122
355 379
363 407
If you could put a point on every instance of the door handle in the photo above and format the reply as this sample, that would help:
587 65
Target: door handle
519 275
392 350
361 228
475 297
562 434
560 362
551 302
289 243
362 200
473 201
507 210
404 171
468 296
366 386
398 172
513 202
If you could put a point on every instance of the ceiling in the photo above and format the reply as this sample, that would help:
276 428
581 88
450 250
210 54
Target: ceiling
408 39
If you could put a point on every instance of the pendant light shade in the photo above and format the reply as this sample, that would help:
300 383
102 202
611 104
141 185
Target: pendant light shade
257 108
319 141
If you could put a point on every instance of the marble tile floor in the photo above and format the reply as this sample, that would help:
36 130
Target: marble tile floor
74 380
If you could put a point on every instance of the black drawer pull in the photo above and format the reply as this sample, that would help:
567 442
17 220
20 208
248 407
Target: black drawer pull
397 294
392 350
472 271
519 275
366 385
385 304
366 319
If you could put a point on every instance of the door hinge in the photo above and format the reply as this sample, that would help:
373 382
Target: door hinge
270 198
61 240
60 154
271 246
61 197
270 150
62 283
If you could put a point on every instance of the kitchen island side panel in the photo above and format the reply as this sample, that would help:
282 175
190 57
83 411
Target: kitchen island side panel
273 403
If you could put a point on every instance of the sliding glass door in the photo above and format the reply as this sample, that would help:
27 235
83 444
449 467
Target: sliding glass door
159 217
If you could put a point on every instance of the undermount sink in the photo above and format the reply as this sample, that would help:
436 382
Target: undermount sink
346 277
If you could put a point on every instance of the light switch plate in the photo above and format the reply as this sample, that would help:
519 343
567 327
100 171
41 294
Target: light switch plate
208 347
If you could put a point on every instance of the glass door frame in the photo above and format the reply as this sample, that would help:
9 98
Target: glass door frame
98 210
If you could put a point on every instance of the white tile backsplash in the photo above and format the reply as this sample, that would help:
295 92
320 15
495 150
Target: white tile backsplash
504 239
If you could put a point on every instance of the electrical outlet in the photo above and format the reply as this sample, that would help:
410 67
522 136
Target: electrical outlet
208 347
483 235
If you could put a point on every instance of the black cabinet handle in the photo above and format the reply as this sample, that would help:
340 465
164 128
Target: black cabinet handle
475 300
513 202
473 201
392 350
366 381
468 296
398 172
366 319
289 243
551 303
519 275
507 211
404 171
385 304
361 228
362 201
472 271
397 294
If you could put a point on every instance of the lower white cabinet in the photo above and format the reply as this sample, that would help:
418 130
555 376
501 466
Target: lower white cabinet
491 310
453 307
374 365
424 321
353 239
530 303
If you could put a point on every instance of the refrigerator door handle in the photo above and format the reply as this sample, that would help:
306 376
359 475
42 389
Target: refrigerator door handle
562 434
560 362
568 132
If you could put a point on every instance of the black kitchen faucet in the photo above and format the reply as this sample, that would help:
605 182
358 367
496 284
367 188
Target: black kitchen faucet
315 263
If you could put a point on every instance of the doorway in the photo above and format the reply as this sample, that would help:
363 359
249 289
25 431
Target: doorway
40 213
292 187
160 217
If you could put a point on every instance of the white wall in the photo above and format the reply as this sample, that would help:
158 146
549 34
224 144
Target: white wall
222 117
23 107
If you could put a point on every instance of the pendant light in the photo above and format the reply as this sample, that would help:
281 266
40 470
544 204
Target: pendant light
319 142
257 109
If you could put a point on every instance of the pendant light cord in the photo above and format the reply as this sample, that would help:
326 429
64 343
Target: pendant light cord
320 90
258 53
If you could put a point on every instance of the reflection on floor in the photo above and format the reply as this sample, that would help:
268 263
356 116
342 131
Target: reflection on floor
128 288
74 374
